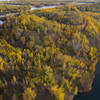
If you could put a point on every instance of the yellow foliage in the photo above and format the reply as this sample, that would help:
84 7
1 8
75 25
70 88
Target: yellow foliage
76 91
92 53
19 58
2 62
14 79
29 94
31 55
1 97
58 92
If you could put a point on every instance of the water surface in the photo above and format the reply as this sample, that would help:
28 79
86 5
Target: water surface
95 93
1 22
44 7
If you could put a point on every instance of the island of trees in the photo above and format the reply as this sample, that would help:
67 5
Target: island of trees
48 54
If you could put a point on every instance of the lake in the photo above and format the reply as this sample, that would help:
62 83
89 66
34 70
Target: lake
95 93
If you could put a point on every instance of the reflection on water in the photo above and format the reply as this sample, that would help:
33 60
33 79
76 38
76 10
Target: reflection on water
95 93
5 15
2 16
44 7
1 22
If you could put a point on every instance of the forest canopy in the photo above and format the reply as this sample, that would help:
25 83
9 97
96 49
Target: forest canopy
48 54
